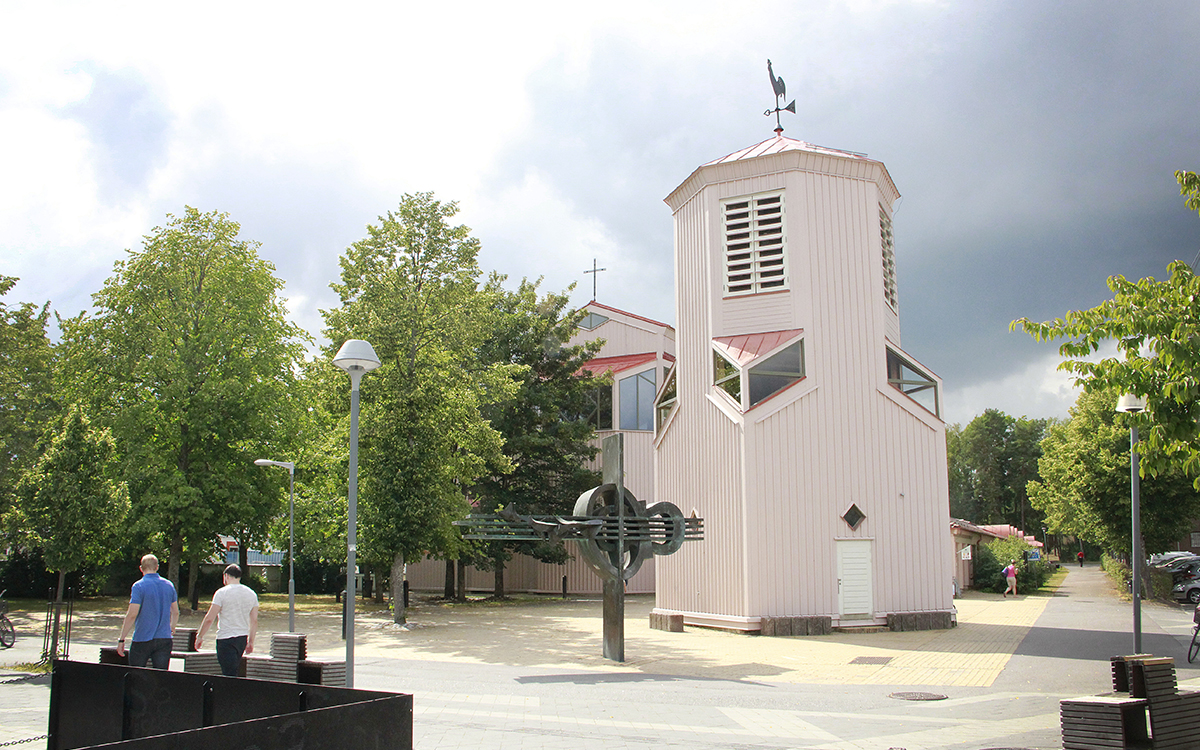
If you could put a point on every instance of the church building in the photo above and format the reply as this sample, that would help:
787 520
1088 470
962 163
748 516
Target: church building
794 422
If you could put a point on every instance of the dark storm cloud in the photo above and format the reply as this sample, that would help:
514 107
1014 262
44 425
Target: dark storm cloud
1034 144
129 128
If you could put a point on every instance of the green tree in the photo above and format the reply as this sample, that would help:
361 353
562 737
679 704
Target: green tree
411 288
990 463
1156 328
1084 487
71 504
191 362
547 437
26 387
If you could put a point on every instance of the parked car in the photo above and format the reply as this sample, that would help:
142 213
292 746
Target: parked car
1166 558
1180 563
1188 591
1186 572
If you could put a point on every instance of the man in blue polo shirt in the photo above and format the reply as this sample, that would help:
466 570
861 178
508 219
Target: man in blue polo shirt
152 614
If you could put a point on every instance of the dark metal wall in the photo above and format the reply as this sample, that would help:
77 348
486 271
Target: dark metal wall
94 704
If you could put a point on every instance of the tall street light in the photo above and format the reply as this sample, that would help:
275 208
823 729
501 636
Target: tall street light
1131 404
355 357
291 467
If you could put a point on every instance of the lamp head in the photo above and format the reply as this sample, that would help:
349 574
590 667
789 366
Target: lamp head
1131 404
281 464
356 354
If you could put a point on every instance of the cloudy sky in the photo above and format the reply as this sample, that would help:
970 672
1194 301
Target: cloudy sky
1034 143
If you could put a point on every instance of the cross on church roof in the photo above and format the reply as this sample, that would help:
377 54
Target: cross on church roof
595 272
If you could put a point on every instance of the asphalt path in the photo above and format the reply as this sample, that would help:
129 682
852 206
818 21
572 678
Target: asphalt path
1083 626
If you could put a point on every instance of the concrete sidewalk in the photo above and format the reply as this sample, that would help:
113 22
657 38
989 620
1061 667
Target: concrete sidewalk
531 675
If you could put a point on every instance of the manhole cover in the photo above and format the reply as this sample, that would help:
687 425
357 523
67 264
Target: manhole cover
870 660
918 696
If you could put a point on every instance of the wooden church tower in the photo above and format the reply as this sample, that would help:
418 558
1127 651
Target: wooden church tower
793 421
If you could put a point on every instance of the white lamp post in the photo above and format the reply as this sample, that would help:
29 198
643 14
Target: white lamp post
355 357
1131 404
291 467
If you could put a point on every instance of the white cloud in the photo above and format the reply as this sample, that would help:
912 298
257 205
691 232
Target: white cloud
1039 390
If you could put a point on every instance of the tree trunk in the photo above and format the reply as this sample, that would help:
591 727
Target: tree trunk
176 554
244 558
462 581
498 585
448 588
368 586
378 574
62 584
398 589
193 576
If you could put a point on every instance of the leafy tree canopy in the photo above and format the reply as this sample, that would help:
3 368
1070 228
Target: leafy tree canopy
71 504
411 289
1156 327
26 402
991 461
1085 484
546 434
191 362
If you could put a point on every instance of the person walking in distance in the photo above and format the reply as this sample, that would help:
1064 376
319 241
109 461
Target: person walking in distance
1010 575
152 614
1080 556
235 609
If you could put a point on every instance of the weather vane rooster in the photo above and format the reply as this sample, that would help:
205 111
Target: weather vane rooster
780 96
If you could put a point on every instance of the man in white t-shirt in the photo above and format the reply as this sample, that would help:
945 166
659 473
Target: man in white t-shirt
235 608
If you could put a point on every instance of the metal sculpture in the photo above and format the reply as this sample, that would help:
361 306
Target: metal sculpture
616 533
780 95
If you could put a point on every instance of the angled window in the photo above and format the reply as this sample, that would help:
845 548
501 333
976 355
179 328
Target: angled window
776 372
755 244
910 380
727 376
592 321
889 258
637 400
753 367
601 416
667 399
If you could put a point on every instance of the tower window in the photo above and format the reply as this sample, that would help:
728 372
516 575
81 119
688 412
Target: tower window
889 258
727 377
637 400
776 372
666 401
910 380
755 244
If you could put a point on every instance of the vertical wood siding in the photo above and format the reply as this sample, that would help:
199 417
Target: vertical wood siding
773 488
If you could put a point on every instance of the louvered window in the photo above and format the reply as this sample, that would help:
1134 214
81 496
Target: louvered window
889 257
755 244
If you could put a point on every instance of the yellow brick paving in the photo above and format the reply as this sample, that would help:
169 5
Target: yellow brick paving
971 655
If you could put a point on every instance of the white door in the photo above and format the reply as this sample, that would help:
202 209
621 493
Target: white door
854 579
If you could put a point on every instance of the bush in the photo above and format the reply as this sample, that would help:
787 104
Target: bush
993 559
256 583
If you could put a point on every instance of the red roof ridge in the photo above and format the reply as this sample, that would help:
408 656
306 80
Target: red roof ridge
632 315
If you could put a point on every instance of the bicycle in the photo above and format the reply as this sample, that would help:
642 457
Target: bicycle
8 634
1194 649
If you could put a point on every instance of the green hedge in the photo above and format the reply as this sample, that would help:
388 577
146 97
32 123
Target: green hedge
993 559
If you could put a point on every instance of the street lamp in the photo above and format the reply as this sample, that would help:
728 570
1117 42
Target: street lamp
1131 404
355 357
291 467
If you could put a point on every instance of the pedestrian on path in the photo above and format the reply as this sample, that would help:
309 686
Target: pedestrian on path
235 608
1080 556
152 614
1010 574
